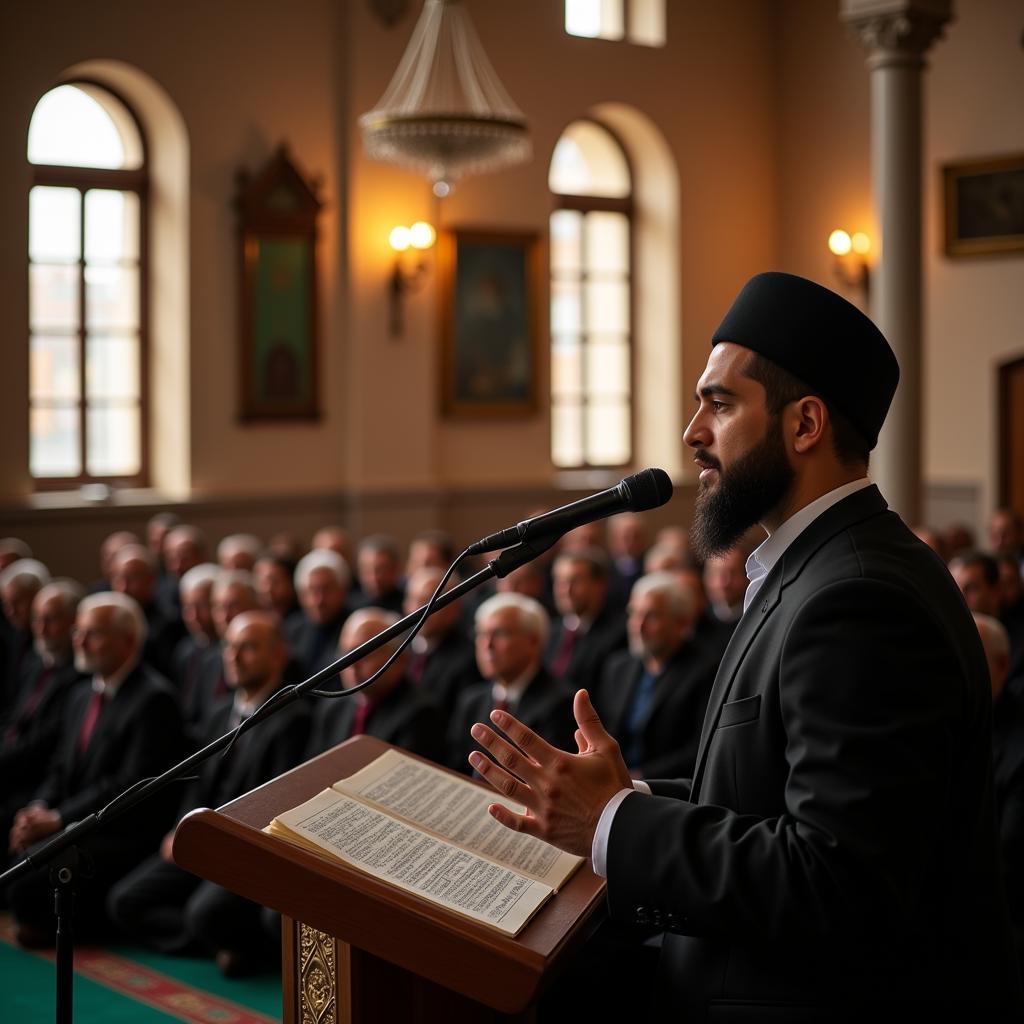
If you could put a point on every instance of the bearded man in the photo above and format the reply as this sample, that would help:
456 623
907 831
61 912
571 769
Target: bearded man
833 856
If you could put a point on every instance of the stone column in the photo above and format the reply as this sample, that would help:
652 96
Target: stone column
897 34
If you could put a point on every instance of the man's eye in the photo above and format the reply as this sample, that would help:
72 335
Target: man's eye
716 405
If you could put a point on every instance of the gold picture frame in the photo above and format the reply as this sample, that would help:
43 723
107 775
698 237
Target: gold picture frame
983 206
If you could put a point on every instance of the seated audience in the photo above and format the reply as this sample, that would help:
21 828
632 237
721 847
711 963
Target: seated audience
172 910
19 584
443 662
184 548
274 577
333 538
1006 534
112 543
1011 614
390 709
511 635
12 549
125 727
322 581
588 628
652 697
239 551
956 538
430 549
380 570
628 541
977 576
197 615
933 539
725 581
157 529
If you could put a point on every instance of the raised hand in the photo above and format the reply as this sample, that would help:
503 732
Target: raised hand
564 793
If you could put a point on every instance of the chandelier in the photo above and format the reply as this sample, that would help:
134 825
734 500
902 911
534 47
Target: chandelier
445 113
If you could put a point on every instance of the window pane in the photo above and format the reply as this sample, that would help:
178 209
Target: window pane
83 126
607 306
112 367
608 433
566 367
113 440
607 243
647 22
53 448
594 18
53 368
53 297
608 369
565 307
54 224
566 434
587 161
111 226
111 297
565 241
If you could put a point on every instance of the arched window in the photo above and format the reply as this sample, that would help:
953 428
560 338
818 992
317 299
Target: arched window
591 299
87 243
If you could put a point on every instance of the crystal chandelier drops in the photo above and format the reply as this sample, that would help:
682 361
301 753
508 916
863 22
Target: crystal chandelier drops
445 113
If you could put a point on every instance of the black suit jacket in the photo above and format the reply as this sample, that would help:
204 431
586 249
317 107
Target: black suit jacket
545 706
449 669
672 722
836 847
607 633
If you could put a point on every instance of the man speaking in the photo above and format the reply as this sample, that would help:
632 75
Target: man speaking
834 855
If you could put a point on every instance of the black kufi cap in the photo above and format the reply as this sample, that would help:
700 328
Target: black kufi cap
821 338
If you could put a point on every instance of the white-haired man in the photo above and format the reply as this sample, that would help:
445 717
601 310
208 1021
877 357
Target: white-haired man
323 582
239 551
511 635
125 727
652 698
196 596
19 584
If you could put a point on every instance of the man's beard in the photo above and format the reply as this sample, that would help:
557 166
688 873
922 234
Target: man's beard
745 494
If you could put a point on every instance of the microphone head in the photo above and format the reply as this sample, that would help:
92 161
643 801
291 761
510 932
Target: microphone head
650 488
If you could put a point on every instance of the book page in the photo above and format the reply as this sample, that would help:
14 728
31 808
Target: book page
456 810
413 860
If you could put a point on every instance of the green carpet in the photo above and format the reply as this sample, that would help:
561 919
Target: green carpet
129 985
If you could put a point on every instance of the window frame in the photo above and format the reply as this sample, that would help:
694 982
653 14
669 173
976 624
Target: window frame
85 179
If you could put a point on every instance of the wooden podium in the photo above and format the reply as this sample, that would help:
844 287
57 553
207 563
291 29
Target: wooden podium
358 950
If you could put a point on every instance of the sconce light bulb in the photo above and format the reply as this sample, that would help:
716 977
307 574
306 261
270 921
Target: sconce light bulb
399 239
422 235
839 242
441 189
861 243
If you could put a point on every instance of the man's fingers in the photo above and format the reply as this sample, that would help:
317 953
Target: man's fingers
523 737
587 719
498 779
508 756
581 742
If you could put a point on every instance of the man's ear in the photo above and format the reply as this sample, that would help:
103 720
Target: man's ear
809 423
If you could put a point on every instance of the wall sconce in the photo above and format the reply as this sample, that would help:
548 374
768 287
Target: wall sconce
406 279
851 259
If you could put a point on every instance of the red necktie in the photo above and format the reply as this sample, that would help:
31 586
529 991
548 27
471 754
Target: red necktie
560 662
92 716
417 666
363 711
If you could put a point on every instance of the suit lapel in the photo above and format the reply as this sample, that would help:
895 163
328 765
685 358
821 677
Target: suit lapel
622 690
857 507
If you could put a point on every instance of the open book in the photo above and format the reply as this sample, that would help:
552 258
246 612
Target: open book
428 832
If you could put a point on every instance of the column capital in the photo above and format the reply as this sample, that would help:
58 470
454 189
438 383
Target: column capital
896 32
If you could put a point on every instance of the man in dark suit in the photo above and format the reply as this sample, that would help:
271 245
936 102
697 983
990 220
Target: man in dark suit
834 855
19 584
511 631
323 582
391 708
589 626
171 909
652 697
125 727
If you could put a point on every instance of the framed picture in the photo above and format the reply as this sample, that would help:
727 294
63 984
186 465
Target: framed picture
489 288
984 206
279 355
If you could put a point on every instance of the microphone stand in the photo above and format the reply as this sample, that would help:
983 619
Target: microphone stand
62 852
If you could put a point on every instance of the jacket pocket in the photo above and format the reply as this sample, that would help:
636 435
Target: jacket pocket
738 712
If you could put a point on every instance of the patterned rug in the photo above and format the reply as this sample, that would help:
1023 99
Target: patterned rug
127 984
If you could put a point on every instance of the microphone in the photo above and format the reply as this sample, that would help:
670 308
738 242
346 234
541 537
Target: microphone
649 488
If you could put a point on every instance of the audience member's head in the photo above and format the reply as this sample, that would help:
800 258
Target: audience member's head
113 543
239 551
692 580
233 593
930 536
110 632
530 580
134 571
333 538
580 580
628 536
275 584
1006 532
977 576
725 581
379 566
285 545
511 633
196 591
156 532
12 549
53 619
996 642
659 617
433 549
1011 585
255 652
19 584
363 625
184 548
588 537
418 591
663 558
322 581
957 537
675 537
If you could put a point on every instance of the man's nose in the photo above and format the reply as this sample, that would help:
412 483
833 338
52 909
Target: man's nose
696 434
